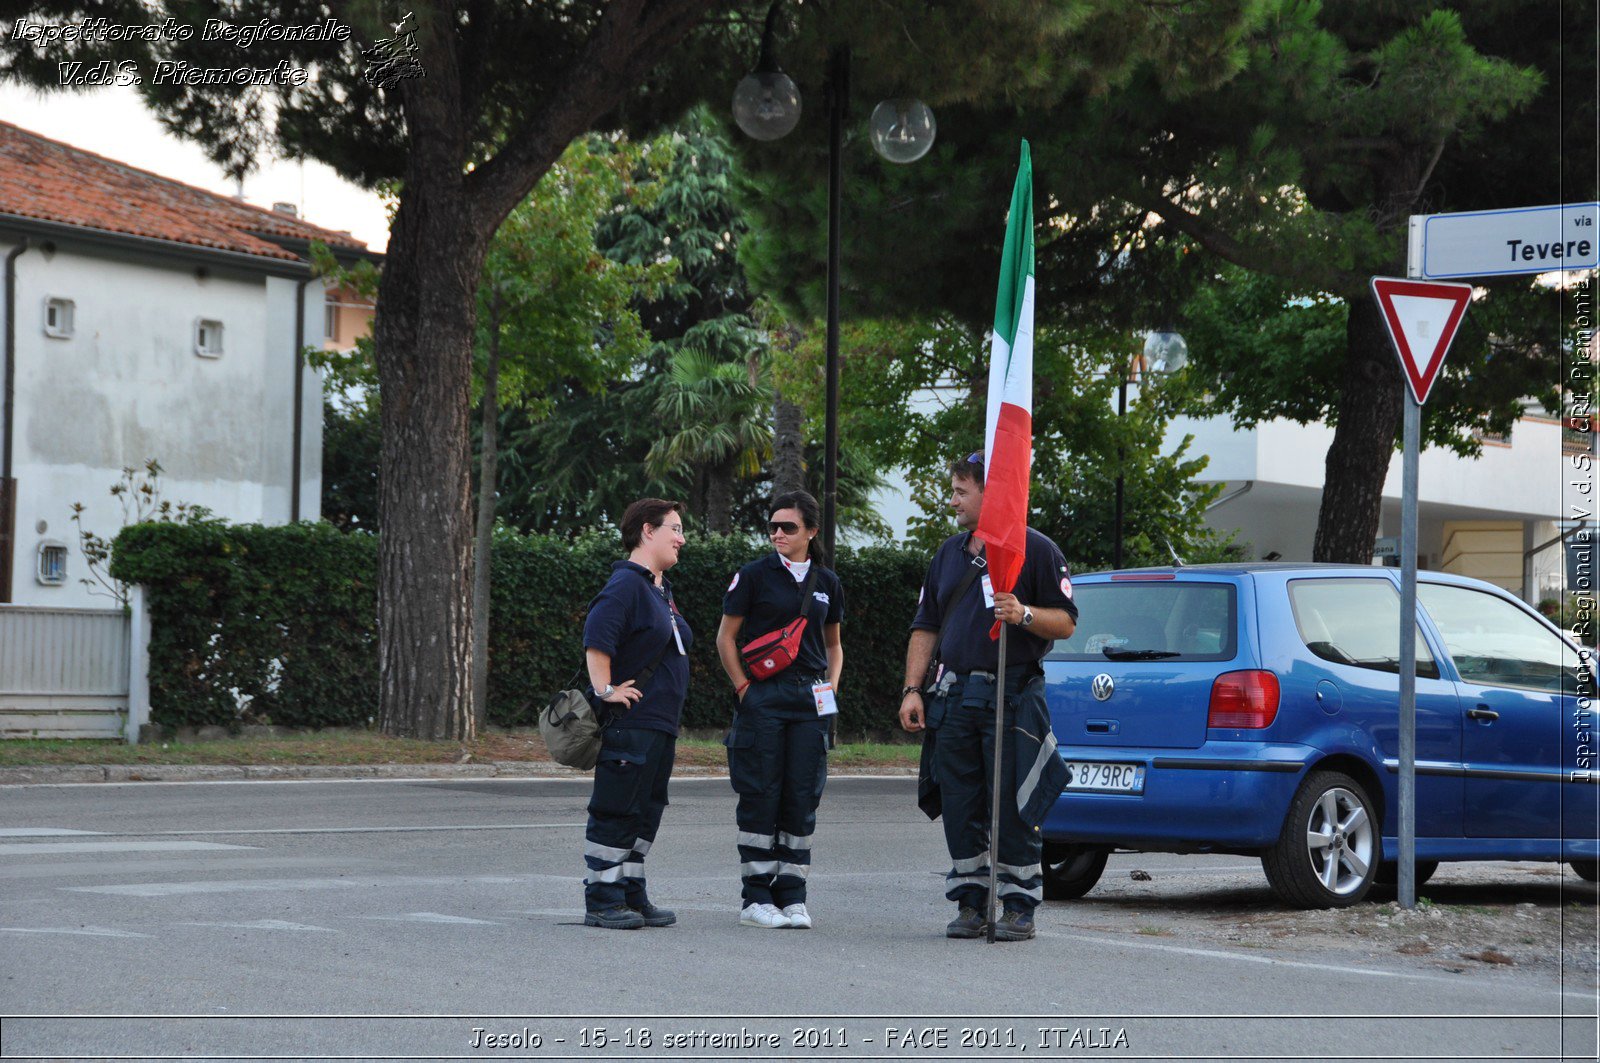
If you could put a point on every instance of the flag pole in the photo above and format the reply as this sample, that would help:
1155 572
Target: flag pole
994 792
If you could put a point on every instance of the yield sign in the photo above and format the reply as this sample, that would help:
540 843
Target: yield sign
1422 317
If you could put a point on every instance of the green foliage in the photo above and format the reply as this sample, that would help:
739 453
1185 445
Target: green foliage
688 417
138 492
559 308
282 615
286 618
352 440
1079 442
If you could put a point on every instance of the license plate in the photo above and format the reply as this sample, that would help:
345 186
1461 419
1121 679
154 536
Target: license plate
1106 778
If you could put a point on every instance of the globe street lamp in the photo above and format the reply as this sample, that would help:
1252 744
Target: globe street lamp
766 105
1164 352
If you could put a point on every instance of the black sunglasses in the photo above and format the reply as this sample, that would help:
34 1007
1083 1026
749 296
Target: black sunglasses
788 527
975 458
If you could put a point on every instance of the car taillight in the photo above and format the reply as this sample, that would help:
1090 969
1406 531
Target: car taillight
1243 699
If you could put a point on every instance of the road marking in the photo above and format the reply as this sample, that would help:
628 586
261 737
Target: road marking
26 848
85 931
267 924
429 917
344 830
178 889
1221 954
40 832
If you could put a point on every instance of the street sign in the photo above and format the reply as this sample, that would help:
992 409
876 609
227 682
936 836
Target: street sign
1489 243
1422 318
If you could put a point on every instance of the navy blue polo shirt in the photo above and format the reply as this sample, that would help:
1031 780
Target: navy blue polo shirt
963 626
630 621
765 593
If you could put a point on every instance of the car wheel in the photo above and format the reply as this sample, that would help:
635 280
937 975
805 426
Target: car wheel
1070 871
1588 870
1327 853
1389 872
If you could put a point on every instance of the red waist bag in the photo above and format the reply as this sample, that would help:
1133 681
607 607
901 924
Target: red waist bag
770 654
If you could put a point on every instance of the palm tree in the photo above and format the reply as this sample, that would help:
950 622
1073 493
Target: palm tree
715 425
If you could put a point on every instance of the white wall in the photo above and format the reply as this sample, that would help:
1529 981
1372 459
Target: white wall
127 386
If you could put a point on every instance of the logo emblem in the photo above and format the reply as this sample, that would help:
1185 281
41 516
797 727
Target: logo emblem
735 582
1103 687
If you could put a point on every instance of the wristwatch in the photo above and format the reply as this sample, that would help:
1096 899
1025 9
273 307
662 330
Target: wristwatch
1027 616
601 695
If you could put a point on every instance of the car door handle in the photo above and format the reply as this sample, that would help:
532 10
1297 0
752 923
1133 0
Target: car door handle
1483 713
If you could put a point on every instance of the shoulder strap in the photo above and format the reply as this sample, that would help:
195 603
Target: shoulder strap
805 588
975 564
650 669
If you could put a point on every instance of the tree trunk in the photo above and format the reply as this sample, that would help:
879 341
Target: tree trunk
487 482
719 498
1370 408
448 212
788 448
424 346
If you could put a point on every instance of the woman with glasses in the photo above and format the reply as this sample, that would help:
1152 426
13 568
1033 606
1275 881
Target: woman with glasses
636 646
778 745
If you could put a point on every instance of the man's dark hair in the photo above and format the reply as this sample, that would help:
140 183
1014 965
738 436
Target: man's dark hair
969 468
650 511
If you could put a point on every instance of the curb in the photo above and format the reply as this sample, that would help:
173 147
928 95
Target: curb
63 774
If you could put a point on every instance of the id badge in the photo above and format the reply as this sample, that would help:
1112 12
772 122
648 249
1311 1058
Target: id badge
677 637
822 694
988 591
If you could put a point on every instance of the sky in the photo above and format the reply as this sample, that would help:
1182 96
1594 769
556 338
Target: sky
114 122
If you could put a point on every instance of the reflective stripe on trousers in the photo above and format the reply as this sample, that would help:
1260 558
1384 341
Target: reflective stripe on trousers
778 764
630 793
964 760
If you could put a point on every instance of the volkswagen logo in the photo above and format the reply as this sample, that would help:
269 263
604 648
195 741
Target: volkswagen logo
1103 687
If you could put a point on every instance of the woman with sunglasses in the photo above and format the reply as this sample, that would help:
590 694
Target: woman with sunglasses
778 745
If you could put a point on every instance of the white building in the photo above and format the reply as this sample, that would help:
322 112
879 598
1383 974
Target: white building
147 319
1486 517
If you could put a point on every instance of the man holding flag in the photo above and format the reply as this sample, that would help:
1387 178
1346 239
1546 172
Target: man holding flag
996 575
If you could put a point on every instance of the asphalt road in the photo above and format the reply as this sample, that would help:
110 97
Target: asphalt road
442 919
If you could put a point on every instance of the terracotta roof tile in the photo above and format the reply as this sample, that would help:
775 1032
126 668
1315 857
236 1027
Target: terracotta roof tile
46 179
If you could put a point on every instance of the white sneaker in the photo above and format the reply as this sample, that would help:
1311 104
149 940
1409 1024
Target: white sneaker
798 917
764 916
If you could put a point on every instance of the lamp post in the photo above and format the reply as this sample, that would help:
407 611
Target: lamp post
1164 352
766 106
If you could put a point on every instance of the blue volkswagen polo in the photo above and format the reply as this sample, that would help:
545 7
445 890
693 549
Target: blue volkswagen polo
1254 709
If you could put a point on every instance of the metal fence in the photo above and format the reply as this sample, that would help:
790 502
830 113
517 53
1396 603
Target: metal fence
64 673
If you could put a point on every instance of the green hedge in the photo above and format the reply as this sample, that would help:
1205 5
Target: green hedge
286 616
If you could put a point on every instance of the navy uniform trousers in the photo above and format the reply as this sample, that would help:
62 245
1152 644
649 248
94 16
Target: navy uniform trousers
630 793
964 759
778 762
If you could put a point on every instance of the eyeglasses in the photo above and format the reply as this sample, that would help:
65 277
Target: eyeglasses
675 529
975 458
788 527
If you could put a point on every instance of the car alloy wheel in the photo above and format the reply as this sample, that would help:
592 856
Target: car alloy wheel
1327 853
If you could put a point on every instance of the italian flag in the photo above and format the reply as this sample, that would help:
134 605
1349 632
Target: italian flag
1008 427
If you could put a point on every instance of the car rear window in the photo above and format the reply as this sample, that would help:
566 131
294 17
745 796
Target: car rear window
1166 620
